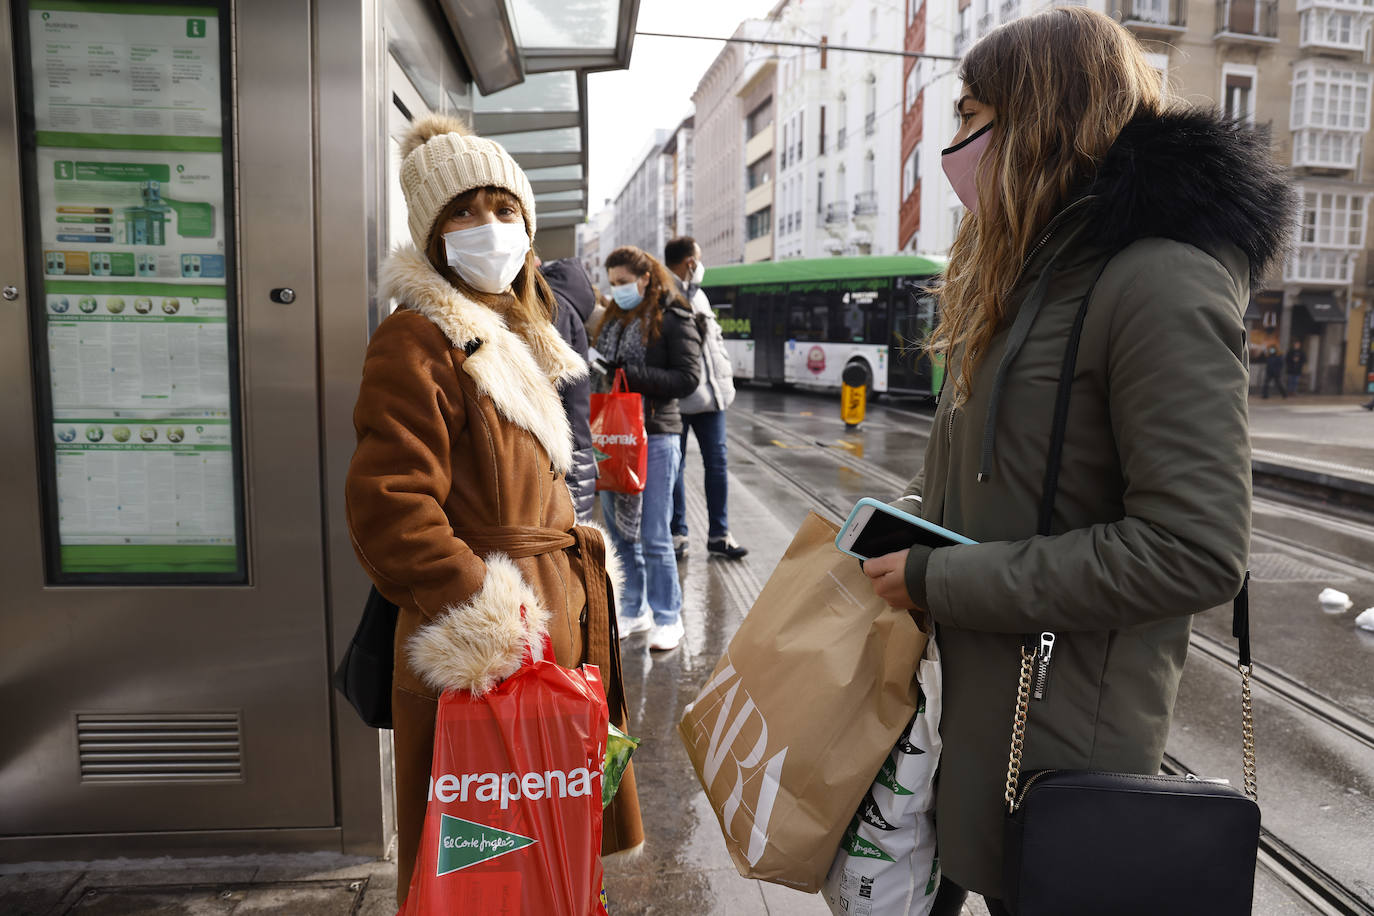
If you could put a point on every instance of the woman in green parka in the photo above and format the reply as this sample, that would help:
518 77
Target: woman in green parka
1081 179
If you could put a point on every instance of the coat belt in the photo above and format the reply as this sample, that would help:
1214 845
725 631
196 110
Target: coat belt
601 640
515 541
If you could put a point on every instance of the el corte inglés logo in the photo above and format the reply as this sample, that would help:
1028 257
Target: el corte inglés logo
463 844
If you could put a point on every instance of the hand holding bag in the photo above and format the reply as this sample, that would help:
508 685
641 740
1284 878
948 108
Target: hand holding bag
514 818
817 686
1084 843
618 438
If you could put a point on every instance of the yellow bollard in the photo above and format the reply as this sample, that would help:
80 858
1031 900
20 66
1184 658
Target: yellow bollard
853 395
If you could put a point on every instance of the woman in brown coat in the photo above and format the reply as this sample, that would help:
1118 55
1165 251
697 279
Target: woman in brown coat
456 500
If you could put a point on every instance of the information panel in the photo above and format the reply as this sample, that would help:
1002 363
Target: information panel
127 205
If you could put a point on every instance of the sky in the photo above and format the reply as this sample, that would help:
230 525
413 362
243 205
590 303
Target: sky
625 106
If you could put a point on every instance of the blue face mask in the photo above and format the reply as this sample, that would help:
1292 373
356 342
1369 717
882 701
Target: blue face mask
627 295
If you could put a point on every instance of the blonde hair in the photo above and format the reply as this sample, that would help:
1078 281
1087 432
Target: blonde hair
533 303
1063 84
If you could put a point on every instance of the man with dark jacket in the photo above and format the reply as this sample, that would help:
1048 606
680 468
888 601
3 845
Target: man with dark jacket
576 299
1296 359
1273 372
703 411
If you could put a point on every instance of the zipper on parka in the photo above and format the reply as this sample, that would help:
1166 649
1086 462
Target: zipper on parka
1044 655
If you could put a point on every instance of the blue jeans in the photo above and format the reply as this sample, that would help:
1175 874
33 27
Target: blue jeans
710 430
650 566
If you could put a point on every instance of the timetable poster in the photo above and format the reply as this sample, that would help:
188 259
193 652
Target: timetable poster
129 193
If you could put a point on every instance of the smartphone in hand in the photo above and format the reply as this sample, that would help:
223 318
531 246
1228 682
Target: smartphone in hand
875 529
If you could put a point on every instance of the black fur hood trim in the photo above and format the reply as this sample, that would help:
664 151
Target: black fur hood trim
1196 177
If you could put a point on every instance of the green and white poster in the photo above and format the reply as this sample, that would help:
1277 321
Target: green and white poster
129 171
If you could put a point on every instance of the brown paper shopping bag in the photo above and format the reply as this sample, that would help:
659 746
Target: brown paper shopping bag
802 710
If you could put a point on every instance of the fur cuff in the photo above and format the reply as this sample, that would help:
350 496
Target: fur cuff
624 857
476 645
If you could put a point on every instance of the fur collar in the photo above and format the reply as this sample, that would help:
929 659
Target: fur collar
1194 176
520 372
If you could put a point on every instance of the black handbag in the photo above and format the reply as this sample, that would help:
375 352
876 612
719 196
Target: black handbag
364 675
1085 843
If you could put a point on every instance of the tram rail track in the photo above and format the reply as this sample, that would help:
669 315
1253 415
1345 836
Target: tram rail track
1312 703
1326 893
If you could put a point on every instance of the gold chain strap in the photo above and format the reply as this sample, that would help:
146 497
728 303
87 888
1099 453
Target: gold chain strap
1018 730
1247 729
1018 727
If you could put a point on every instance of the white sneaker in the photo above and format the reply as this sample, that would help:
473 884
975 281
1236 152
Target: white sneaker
629 626
663 638
680 546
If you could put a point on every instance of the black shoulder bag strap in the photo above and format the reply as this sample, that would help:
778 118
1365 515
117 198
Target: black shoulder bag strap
1240 608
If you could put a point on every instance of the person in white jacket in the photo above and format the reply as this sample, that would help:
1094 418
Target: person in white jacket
703 411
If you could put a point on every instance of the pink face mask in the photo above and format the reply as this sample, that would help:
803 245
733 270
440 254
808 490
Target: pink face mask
961 165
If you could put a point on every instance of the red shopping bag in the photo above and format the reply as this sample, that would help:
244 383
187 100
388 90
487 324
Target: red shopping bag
514 818
622 449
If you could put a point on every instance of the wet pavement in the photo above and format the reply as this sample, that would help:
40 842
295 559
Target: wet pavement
787 451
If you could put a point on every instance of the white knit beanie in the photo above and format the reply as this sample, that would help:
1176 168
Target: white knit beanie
441 158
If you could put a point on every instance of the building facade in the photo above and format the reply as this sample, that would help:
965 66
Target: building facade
679 150
644 205
594 242
839 130
1300 72
718 176
914 70
758 107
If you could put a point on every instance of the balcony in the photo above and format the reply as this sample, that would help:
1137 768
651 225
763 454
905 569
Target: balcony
870 124
1247 22
1152 18
759 145
1334 25
1333 150
960 43
985 23
1313 266
866 203
1010 10
836 213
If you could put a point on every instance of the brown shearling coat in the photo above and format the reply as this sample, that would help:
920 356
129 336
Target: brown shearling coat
458 511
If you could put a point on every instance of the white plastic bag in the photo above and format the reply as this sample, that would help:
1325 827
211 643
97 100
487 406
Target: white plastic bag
887 863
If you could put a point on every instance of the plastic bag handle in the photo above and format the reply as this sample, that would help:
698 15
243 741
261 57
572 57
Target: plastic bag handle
621 384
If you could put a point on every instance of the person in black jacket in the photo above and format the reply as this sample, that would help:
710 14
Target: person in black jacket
650 333
576 299
1273 372
1294 362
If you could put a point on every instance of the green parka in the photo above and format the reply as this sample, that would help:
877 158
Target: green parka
1152 518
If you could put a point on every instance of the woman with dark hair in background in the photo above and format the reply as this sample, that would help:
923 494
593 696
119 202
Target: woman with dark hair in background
1083 185
649 332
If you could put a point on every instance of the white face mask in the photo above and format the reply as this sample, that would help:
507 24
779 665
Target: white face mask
698 273
488 256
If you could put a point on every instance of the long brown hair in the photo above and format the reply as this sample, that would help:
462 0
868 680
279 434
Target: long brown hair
658 295
530 300
1063 84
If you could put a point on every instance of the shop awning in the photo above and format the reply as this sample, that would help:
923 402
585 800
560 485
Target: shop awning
1323 309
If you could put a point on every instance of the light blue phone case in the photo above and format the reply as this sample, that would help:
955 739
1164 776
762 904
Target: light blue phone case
906 517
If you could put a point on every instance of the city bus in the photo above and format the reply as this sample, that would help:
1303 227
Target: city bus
803 321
